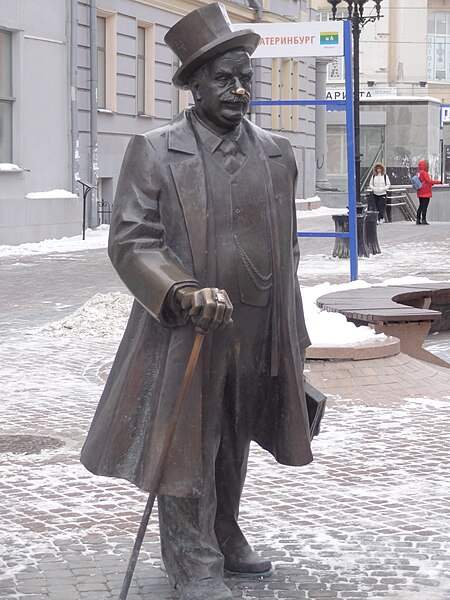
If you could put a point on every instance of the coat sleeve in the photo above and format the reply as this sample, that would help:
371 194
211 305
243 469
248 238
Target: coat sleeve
427 178
137 245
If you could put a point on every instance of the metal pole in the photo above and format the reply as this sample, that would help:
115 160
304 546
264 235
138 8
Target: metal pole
93 103
85 193
73 94
356 33
352 196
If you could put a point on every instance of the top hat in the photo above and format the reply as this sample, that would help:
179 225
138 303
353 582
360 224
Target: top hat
202 35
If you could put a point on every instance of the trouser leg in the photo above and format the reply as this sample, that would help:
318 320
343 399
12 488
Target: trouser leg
231 469
188 543
381 206
419 210
244 393
426 202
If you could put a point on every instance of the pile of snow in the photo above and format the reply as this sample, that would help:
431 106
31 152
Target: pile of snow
333 329
51 194
106 315
95 238
103 316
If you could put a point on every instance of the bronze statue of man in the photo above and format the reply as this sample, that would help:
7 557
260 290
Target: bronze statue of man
203 234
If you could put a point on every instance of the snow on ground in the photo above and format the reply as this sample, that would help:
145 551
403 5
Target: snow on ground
322 211
102 316
94 318
95 238
106 316
51 194
418 259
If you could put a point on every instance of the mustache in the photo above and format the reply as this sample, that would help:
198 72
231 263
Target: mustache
236 98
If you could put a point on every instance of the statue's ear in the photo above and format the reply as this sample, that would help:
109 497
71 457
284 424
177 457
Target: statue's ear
195 85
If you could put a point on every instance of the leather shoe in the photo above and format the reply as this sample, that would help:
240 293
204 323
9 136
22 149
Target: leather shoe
205 589
244 562
425 222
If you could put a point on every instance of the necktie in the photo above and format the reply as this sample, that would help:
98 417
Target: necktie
232 156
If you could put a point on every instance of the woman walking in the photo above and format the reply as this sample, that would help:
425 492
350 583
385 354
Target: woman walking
379 185
425 193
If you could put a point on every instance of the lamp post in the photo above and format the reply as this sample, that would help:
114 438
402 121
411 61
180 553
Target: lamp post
358 20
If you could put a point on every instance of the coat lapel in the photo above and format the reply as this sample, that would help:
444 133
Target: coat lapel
189 177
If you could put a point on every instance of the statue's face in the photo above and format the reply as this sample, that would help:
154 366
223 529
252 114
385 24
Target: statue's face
221 90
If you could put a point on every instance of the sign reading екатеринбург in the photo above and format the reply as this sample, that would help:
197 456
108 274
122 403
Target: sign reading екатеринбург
280 40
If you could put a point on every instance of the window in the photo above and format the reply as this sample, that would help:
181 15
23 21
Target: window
285 86
140 70
336 151
106 61
6 97
101 62
438 46
145 69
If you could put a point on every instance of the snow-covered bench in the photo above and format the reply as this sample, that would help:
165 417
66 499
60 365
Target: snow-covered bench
406 312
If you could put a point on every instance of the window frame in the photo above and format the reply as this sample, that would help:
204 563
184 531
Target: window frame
434 41
7 101
110 49
145 106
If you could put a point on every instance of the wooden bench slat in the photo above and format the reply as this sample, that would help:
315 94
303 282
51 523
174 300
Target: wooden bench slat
376 304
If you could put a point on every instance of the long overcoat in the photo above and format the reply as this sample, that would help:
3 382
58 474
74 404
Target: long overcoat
158 238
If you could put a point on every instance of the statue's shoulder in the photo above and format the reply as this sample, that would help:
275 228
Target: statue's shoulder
158 134
267 137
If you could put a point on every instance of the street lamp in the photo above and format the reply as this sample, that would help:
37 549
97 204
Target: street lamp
358 20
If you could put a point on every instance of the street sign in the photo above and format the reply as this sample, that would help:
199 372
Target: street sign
314 39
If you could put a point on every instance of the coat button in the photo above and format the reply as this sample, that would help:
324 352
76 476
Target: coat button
237 210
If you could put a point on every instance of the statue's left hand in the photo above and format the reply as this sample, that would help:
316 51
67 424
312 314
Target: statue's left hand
208 308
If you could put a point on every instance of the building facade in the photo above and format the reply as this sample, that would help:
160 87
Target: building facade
79 77
404 86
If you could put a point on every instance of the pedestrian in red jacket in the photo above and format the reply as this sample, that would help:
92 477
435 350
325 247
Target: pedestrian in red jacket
425 193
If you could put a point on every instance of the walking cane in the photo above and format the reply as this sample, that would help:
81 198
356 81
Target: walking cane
197 346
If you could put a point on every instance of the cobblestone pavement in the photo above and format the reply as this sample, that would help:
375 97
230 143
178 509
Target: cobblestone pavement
369 518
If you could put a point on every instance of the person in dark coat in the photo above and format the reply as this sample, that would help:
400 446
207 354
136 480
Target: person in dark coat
203 233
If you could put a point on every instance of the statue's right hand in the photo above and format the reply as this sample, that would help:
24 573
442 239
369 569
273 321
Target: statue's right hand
208 308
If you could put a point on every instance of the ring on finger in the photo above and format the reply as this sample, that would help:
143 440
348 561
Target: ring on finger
220 298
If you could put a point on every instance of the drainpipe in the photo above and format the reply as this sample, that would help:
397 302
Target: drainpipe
93 170
75 158
256 4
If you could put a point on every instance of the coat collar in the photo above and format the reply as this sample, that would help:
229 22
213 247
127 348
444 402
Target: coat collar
181 138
